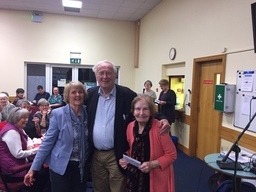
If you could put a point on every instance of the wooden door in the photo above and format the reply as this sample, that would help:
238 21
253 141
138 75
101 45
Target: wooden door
205 122
208 118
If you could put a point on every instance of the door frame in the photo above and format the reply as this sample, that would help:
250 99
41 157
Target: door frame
195 97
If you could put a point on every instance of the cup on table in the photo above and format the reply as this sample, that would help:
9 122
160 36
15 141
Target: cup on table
37 142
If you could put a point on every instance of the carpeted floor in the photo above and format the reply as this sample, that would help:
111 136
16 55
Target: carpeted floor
191 174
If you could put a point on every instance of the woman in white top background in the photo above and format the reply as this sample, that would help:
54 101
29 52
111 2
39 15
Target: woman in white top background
16 149
6 106
148 91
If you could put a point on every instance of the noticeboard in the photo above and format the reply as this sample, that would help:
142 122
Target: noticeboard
245 106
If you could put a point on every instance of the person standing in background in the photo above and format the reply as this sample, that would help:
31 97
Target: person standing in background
109 112
167 101
55 99
41 94
19 95
148 91
155 152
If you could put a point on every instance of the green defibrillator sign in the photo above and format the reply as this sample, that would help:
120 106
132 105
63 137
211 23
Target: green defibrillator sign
224 97
219 97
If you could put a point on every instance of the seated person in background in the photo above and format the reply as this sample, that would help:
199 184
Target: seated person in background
5 105
5 93
19 95
42 117
15 145
1 108
41 94
148 91
155 152
30 127
16 148
55 99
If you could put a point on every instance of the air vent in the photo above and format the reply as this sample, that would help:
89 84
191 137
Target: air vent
71 9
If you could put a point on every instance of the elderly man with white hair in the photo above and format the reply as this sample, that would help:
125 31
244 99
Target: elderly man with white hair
5 106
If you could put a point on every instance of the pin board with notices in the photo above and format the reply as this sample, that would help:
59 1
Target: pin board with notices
245 106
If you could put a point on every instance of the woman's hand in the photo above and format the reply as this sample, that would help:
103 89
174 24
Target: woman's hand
148 166
162 102
145 167
123 163
29 178
36 120
29 147
45 112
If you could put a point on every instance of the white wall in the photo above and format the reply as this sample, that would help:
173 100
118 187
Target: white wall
196 29
52 41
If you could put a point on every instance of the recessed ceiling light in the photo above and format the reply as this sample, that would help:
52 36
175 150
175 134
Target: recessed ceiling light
73 4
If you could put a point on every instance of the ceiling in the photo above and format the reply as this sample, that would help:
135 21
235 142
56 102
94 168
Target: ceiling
127 10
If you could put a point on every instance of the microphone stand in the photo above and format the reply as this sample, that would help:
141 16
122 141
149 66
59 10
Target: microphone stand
236 149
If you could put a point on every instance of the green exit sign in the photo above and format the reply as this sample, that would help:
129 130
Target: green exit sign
75 60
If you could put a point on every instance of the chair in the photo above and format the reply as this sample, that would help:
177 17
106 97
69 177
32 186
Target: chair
6 182
227 186
2 124
34 109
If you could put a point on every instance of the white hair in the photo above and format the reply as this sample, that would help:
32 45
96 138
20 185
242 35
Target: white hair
95 67
2 95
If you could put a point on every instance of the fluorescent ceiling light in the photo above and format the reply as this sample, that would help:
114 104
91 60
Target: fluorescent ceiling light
73 4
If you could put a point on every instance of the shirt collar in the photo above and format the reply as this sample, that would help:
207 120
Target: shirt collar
112 92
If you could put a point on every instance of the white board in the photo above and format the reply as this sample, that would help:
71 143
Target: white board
245 106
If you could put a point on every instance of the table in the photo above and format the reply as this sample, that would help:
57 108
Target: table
211 161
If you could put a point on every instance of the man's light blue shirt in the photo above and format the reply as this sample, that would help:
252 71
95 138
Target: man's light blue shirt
103 130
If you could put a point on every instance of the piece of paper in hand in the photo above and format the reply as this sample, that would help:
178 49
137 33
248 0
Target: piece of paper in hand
132 161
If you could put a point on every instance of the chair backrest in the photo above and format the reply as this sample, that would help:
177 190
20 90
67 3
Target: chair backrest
12 184
11 187
2 124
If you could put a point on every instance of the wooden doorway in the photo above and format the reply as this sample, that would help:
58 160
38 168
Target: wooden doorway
205 121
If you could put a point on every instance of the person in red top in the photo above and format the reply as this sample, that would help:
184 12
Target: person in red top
155 152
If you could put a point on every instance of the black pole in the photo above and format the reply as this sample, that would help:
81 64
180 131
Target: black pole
236 149
234 146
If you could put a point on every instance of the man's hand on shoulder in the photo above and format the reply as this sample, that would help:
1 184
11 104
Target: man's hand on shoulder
164 126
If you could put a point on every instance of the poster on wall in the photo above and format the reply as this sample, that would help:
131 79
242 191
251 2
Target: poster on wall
62 82
88 85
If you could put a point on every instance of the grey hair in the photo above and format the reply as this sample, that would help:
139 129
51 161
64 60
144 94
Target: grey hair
43 101
21 101
16 114
95 67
